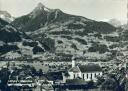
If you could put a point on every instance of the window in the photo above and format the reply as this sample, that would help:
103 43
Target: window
74 75
77 75
87 76
99 74
91 76
83 76
95 75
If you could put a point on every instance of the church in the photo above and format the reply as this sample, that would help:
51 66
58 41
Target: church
88 72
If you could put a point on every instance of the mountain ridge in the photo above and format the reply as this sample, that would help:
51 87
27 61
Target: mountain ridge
42 18
6 16
63 35
15 44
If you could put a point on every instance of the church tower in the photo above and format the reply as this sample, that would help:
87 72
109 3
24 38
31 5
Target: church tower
73 62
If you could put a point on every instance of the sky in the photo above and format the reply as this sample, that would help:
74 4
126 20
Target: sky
92 9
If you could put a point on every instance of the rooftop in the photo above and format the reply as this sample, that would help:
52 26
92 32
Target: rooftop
86 68
90 68
77 81
74 69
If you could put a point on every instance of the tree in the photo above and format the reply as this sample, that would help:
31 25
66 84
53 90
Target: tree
40 72
90 84
100 80
116 81
33 70
4 76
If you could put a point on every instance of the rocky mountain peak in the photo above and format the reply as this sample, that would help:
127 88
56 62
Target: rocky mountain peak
5 13
41 7
115 22
6 16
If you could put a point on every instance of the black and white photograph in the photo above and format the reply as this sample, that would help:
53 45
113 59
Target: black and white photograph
63 45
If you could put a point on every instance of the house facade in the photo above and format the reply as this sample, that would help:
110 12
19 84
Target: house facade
86 72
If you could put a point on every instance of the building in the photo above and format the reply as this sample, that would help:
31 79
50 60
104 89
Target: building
43 79
47 86
43 84
86 72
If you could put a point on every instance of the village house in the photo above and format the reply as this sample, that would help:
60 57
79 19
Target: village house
43 79
88 72
47 86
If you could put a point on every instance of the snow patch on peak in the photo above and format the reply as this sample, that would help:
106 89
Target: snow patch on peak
9 28
2 16
6 16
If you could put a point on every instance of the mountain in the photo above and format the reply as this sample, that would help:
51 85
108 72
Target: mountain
124 26
2 23
15 44
114 22
42 16
64 35
6 16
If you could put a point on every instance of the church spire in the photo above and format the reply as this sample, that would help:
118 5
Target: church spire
73 62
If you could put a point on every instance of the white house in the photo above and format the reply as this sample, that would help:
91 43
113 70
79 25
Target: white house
87 72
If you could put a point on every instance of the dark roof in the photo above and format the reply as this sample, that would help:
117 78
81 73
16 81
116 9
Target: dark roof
90 68
77 81
47 88
66 74
54 76
74 69
45 82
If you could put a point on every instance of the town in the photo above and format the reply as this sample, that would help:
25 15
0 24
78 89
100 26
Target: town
63 45
55 76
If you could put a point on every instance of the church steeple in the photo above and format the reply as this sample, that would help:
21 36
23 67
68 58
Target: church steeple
73 62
